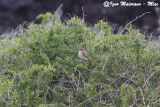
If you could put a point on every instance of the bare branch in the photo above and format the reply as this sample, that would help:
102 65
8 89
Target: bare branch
149 78
135 20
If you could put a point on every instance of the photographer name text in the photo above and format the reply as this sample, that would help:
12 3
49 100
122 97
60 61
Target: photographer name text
124 3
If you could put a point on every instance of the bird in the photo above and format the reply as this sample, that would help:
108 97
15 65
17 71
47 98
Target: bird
82 54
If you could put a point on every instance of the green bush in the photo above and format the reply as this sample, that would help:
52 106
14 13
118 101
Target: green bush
41 67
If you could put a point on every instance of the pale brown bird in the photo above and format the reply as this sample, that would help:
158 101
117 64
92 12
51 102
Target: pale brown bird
82 54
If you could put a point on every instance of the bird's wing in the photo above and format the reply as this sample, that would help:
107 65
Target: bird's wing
84 53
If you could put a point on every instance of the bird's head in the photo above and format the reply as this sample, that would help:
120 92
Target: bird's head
81 49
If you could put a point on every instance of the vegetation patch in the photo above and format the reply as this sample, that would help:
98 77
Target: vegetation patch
41 67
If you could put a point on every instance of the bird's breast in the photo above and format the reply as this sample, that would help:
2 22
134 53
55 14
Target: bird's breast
80 55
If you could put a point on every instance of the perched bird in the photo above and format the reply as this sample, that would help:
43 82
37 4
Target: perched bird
82 54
